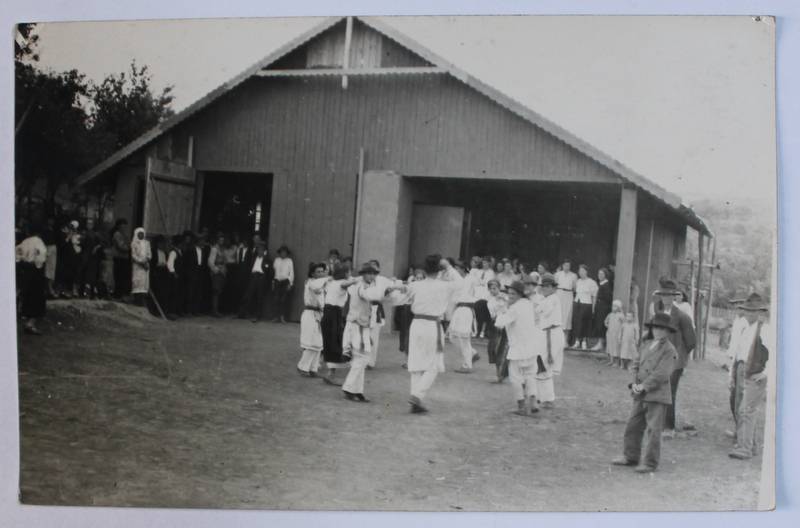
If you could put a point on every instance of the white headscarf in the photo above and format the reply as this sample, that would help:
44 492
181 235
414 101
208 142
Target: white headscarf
140 249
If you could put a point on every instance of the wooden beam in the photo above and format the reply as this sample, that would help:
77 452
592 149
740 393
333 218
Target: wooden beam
359 192
626 242
315 72
348 39
647 274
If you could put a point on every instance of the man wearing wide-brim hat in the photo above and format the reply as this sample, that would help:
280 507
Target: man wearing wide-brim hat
748 380
683 339
651 396
736 303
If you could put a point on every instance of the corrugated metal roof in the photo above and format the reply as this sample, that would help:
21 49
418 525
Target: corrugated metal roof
441 66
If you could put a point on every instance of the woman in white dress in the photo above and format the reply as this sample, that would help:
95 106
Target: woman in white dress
140 266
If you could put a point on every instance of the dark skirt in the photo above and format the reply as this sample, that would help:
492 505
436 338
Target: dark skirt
33 293
601 310
497 348
332 324
582 320
403 318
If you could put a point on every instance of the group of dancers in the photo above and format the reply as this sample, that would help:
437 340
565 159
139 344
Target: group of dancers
343 316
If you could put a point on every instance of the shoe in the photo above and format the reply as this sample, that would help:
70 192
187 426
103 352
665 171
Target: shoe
548 405
329 381
598 346
740 455
644 469
583 345
363 399
253 320
313 374
416 406
668 434
350 396
476 357
32 331
302 372
369 368
730 434
622 461
463 371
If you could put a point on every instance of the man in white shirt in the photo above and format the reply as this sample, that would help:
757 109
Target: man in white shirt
283 267
754 345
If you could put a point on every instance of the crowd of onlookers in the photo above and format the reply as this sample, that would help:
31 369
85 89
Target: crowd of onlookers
185 275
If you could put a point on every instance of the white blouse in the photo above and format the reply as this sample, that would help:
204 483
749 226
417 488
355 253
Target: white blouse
585 291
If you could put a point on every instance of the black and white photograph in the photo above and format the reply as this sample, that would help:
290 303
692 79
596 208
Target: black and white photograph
370 263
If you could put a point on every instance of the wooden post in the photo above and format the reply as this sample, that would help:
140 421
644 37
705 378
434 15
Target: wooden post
359 192
710 295
348 38
646 297
626 241
698 311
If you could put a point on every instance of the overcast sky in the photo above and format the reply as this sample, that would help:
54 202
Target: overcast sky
687 102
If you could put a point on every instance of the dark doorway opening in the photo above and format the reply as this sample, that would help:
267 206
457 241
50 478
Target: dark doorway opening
530 220
236 202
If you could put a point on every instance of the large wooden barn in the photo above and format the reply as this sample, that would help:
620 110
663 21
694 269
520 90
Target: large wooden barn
355 137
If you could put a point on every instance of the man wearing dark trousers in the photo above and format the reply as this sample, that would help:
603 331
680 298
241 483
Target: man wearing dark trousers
258 278
684 341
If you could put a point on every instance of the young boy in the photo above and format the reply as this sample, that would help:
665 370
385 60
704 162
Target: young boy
651 396
524 339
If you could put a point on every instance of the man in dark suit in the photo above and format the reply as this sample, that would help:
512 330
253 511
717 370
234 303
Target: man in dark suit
683 339
258 272
192 260
651 396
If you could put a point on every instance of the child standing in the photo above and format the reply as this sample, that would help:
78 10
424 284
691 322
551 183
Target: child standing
629 341
613 322
651 396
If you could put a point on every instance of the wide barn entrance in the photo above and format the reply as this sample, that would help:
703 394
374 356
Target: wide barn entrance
405 218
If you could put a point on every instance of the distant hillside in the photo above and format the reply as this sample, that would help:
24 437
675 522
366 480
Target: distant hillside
744 247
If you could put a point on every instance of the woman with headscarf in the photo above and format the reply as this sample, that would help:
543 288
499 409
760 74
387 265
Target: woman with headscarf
30 256
140 266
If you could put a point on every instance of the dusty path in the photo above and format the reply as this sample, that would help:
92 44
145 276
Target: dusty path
118 410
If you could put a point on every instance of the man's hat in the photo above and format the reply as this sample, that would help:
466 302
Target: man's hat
261 244
739 297
532 278
754 303
368 268
667 287
460 264
662 320
548 278
517 286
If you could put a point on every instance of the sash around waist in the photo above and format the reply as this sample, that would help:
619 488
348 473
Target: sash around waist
436 318
465 305
313 308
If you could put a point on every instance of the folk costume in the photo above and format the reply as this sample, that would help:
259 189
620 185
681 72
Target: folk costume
651 373
332 325
429 299
310 328
357 342
549 316
377 320
525 345
462 324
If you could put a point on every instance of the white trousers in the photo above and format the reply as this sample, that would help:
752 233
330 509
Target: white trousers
309 362
355 378
522 375
375 337
465 345
421 381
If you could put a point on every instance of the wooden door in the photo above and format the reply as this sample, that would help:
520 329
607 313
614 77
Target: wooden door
169 201
435 229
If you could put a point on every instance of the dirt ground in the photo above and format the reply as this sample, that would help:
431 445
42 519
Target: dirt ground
118 408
